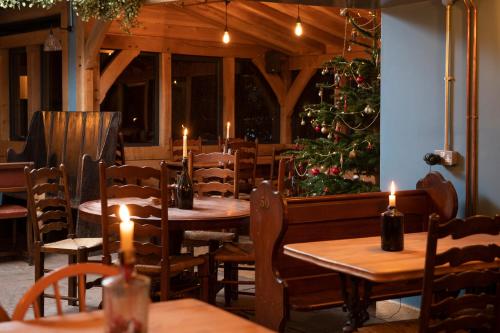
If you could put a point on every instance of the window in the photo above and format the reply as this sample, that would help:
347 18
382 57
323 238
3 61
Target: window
197 97
51 81
18 91
135 95
256 107
308 96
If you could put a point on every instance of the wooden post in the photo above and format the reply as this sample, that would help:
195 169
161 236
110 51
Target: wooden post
4 95
228 79
34 67
165 116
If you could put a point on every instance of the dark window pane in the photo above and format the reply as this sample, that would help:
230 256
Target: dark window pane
51 80
196 97
135 95
18 91
308 96
256 107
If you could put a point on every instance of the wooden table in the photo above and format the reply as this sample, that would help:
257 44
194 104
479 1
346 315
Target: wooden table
187 316
208 213
363 259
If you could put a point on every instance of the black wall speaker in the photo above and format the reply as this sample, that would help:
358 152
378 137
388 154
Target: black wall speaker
274 61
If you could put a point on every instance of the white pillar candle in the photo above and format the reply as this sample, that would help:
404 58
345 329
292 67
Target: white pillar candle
392 196
126 231
185 143
227 130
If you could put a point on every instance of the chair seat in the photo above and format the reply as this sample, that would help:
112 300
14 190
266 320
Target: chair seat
12 212
404 326
235 252
72 244
200 235
177 265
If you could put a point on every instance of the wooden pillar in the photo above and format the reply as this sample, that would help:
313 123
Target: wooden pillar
165 127
34 89
4 95
228 79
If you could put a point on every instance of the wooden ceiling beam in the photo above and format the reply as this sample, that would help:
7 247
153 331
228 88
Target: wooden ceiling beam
269 26
285 20
114 69
182 46
252 31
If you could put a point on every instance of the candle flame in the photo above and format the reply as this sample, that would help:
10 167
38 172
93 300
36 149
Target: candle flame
228 124
393 188
124 214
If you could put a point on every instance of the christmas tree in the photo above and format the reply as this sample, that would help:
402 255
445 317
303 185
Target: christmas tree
346 158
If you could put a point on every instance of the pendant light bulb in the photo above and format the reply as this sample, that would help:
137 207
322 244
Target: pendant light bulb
298 24
226 38
298 28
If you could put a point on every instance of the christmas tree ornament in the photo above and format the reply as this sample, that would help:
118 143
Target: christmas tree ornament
330 136
320 93
302 122
309 114
317 128
336 79
352 154
315 171
355 177
360 79
324 130
335 170
368 109
369 147
349 48
324 71
322 168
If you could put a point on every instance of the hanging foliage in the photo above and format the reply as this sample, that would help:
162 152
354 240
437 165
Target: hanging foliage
125 11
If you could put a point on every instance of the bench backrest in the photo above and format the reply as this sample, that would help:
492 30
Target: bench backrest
56 137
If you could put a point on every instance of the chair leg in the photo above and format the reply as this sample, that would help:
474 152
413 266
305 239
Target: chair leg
14 235
227 287
204 275
29 241
234 277
39 269
72 259
81 257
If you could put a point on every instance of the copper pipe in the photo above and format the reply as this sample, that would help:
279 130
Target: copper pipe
447 79
475 114
468 207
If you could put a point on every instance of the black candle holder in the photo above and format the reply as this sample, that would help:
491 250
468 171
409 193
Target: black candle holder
185 193
392 230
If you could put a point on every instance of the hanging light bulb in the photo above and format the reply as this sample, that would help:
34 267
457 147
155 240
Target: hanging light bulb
298 23
226 38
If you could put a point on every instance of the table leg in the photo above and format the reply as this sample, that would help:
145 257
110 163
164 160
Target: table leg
356 306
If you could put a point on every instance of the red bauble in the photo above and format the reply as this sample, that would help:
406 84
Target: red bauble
315 171
360 80
335 170
317 129
369 147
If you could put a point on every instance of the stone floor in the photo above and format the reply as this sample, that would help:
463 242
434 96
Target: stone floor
16 276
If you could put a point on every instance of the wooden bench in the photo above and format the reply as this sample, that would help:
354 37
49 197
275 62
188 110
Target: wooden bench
284 283
76 139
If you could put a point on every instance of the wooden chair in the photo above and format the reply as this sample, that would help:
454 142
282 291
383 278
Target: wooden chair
194 145
286 171
211 175
12 180
151 237
277 155
466 299
50 211
52 280
248 151
223 142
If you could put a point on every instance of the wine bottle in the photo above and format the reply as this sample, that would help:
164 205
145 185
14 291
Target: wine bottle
185 191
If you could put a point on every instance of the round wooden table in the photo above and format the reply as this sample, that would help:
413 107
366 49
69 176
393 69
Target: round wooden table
208 213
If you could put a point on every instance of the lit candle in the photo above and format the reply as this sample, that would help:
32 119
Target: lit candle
126 231
392 196
227 130
185 143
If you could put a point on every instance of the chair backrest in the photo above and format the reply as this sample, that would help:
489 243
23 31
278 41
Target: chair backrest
222 142
248 152
215 173
3 315
48 201
278 153
12 177
444 306
194 145
150 217
286 170
52 280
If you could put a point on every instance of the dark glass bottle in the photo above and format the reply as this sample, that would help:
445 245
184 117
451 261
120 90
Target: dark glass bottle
185 191
392 230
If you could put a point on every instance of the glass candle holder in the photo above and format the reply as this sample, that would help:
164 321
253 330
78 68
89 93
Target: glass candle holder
126 302
392 230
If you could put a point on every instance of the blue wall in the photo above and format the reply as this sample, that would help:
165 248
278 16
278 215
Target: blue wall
413 65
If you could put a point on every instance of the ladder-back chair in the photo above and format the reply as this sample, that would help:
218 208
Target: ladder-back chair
248 152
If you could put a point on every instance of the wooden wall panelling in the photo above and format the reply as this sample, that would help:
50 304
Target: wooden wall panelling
114 69
34 73
228 83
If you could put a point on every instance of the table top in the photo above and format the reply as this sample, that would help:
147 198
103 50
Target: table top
207 212
187 316
363 257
